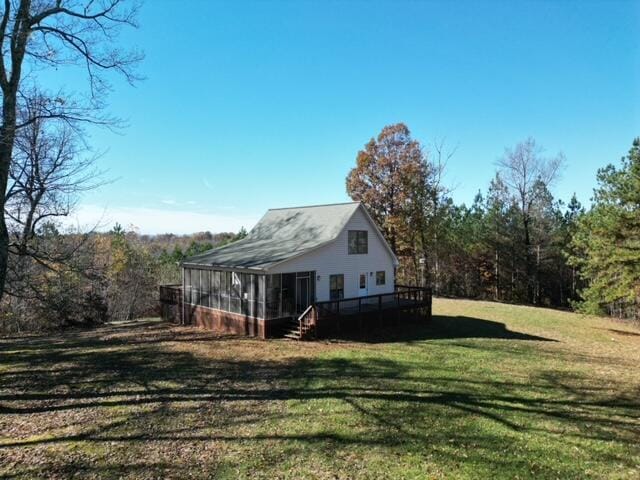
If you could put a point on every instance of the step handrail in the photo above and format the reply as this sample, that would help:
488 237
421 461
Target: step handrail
302 317
303 314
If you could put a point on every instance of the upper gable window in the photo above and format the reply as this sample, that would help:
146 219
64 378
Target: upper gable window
358 242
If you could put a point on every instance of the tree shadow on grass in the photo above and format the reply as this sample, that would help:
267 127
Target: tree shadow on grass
132 393
625 333
413 329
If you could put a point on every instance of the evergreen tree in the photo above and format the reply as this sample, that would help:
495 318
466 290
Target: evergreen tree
606 244
571 220
497 234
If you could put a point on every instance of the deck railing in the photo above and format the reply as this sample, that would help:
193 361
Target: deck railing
405 297
171 293
307 322
171 302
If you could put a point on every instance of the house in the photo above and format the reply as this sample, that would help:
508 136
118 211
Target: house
292 260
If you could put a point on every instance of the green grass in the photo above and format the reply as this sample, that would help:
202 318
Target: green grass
484 391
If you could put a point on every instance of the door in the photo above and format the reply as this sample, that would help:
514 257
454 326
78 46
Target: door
302 294
362 285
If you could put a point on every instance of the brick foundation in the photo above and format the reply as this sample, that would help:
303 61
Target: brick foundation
227 323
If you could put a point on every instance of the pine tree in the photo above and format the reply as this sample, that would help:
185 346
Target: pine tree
496 234
571 220
606 243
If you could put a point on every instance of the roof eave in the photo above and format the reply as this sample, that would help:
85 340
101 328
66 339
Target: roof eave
224 268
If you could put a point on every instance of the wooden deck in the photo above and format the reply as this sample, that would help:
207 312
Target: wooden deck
324 318
368 311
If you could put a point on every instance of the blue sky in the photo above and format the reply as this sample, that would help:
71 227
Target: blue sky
254 105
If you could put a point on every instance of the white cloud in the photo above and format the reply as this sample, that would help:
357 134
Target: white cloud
156 220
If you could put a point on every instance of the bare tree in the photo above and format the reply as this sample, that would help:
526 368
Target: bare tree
51 167
36 34
437 194
524 169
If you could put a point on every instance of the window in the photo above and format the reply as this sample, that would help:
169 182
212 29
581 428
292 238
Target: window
336 286
215 289
225 286
363 281
195 287
246 297
187 285
205 287
288 294
380 278
273 296
236 293
258 296
358 242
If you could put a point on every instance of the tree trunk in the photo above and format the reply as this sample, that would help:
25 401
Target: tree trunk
435 282
497 275
7 137
10 85
513 272
536 297
527 257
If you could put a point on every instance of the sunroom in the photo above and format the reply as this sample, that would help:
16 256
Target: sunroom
251 295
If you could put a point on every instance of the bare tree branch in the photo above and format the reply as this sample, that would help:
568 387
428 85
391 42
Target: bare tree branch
3 29
52 33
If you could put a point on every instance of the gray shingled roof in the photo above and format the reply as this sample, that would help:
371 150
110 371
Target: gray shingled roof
282 233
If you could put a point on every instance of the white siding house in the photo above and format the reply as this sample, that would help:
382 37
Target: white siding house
334 259
300 272
291 259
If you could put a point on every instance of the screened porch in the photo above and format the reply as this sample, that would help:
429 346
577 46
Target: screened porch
256 295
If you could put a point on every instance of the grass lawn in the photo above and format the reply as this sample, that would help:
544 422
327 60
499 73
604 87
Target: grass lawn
484 391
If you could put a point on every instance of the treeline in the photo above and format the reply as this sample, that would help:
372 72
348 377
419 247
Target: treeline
482 251
515 242
56 277
81 279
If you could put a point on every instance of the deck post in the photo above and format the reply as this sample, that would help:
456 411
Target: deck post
182 298
315 322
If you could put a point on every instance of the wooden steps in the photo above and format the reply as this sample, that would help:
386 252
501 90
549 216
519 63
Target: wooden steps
297 330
